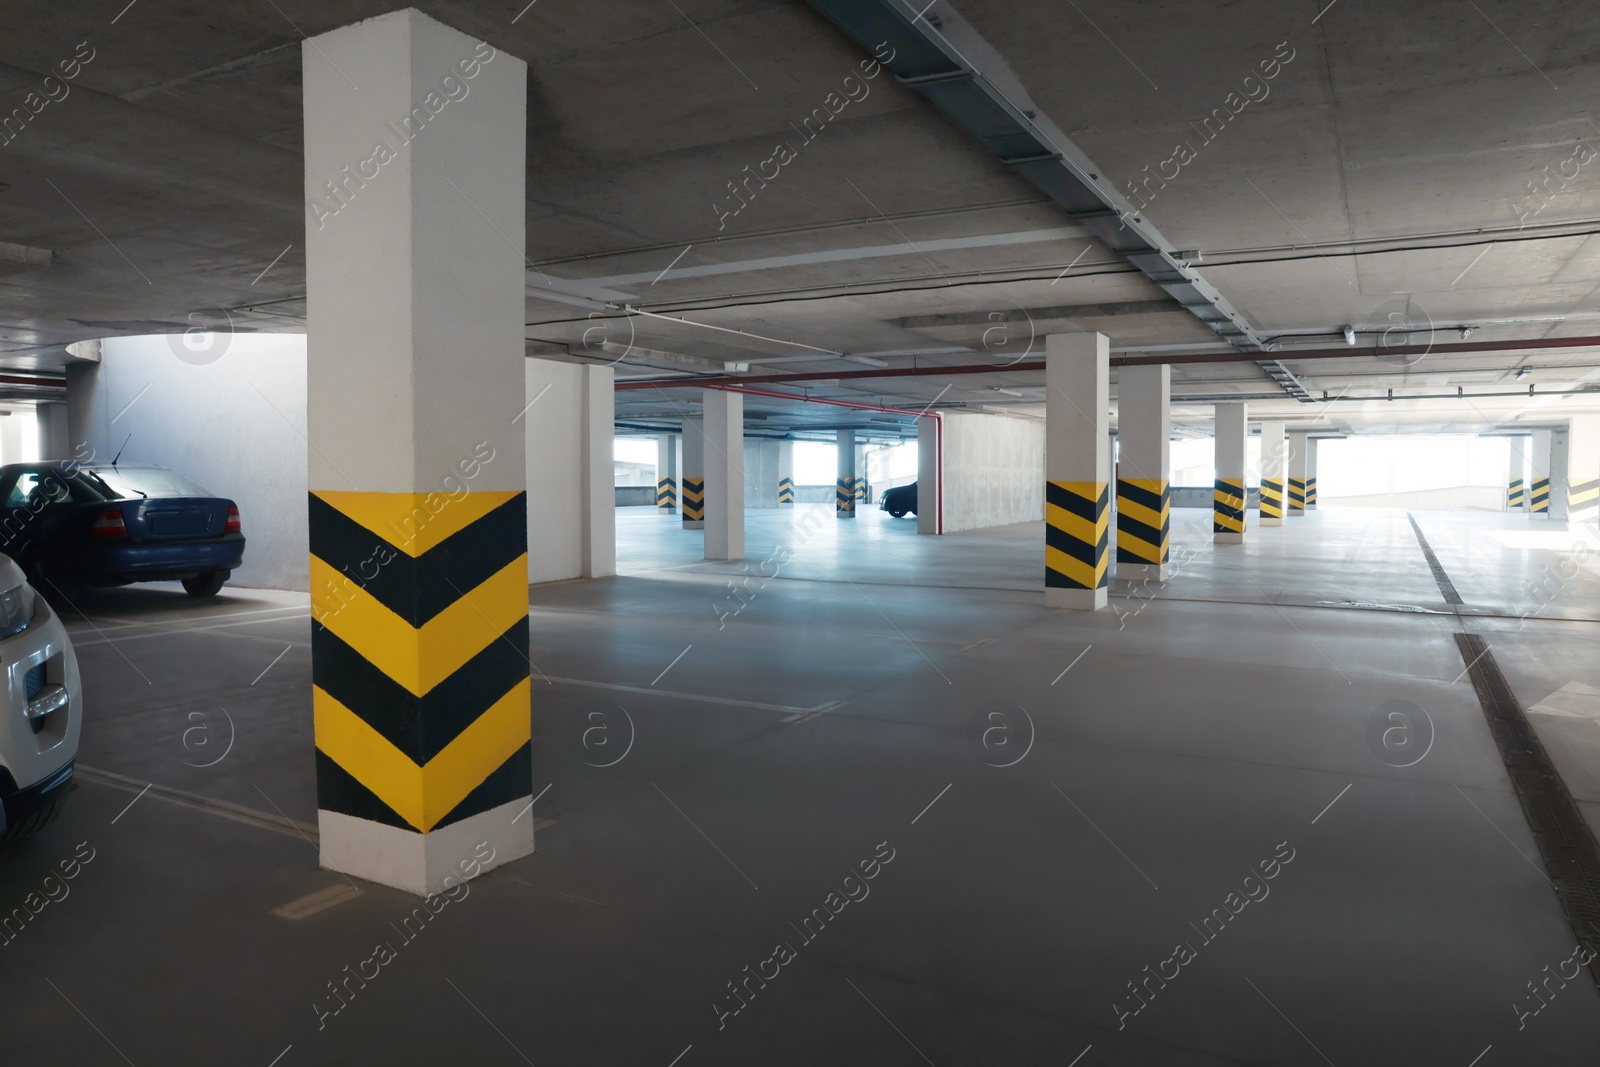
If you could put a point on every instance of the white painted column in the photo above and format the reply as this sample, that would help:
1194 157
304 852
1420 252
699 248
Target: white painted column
930 470
11 437
1144 469
1311 473
667 473
1229 515
786 474
692 493
1077 452
415 386
599 472
1516 473
1298 459
724 459
1583 470
1273 448
1539 475
844 488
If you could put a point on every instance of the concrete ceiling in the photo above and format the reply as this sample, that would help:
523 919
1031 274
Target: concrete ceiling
1383 182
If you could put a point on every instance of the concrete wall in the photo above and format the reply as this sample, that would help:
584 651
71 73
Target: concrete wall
993 471
229 413
1477 497
555 433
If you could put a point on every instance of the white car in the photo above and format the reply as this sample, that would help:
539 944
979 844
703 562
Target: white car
41 707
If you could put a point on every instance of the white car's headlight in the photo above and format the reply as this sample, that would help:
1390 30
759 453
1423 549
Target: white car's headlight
16 609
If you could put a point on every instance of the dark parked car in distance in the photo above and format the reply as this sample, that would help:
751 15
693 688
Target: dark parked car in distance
899 500
68 525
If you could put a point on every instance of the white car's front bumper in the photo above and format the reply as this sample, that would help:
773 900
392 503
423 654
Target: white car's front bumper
38 729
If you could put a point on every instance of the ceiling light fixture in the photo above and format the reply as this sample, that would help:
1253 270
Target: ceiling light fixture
1350 335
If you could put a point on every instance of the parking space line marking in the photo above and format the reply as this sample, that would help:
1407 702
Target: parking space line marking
281 1055
261 820
311 903
697 697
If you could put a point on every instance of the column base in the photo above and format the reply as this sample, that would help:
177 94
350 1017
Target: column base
420 863
844 514
1143 571
1271 522
788 505
1297 513
1228 537
667 511
694 524
1076 599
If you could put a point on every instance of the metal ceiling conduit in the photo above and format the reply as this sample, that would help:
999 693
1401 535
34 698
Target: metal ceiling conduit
1397 351
996 109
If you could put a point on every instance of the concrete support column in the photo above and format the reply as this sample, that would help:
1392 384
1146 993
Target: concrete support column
54 441
724 458
1539 475
11 436
1583 470
844 489
1144 499
693 496
418 521
1273 448
1560 473
930 469
599 472
786 474
667 473
1228 511
1516 473
1298 462
1077 374
1311 473
861 476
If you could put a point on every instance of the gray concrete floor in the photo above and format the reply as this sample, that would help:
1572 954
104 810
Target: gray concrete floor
1158 752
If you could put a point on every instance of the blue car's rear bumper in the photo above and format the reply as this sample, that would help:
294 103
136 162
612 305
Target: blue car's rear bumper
164 561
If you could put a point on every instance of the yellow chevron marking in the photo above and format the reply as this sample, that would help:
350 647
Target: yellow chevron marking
1137 511
414 522
423 795
1127 542
1075 526
420 659
1078 571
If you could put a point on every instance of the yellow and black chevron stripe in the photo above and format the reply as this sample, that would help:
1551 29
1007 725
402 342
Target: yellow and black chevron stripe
1272 498
1516 494
419 654
1583 501
1311 492
861 488
1076 535
694 500
1541 496
1227 506
844 496
667 494
786 490
1297 494
1144 520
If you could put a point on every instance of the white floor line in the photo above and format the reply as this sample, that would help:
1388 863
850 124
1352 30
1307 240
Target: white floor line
786 708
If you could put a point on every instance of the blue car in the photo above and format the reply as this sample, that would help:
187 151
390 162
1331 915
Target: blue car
69 526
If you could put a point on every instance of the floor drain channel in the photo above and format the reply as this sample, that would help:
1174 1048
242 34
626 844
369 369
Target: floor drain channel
1446 586
1566 844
